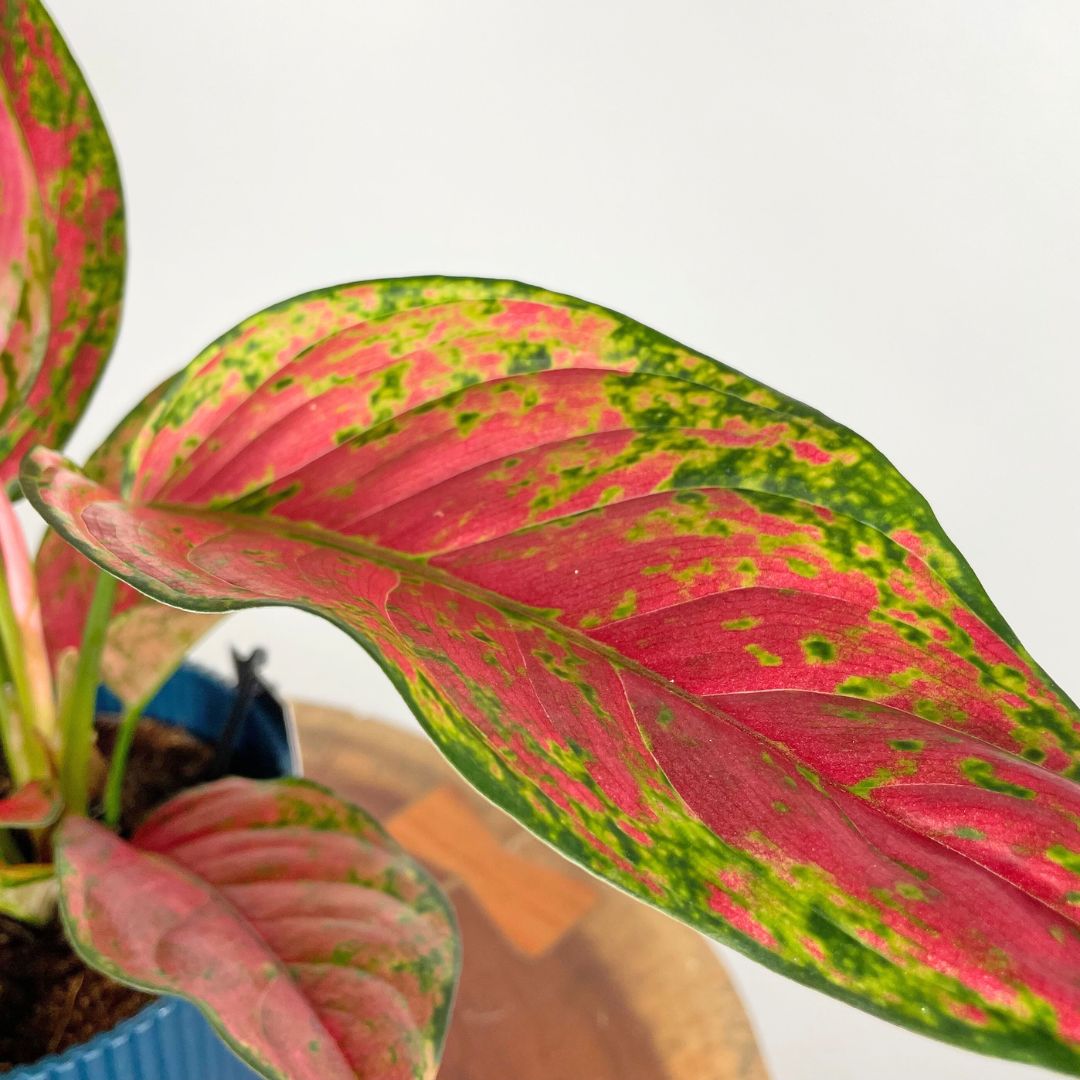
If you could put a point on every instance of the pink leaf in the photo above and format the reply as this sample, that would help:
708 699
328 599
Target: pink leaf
33 806
307 937
24 285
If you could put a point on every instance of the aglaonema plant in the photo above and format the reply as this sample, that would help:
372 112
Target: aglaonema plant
703 640
706 642
313 944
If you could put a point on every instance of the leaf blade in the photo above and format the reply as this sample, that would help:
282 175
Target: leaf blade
24 291
81 202
285 915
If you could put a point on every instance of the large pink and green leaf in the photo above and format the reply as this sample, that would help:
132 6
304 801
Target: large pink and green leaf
318 949
63 247
705 641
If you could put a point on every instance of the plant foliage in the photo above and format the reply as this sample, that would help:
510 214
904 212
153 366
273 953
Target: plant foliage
703 640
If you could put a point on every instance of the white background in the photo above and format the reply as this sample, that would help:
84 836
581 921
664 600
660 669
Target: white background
873 206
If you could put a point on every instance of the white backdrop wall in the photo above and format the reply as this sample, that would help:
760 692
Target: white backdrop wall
872 206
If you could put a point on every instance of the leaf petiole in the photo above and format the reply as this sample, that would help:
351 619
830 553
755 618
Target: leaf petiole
125 736
23 642
9 850
14 646
23 752
77 711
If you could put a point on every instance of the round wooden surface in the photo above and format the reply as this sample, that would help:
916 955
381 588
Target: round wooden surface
564 978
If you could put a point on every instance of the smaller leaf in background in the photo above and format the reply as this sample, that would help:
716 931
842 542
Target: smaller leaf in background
81 262
317 948
32 806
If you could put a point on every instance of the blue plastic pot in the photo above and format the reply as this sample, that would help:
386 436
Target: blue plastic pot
169 1039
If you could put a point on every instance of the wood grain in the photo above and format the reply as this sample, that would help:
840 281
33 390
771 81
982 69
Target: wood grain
532 904
564 978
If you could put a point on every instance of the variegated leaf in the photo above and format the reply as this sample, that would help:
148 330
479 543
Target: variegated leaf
316 947
145 641
24 265
71 298
703 640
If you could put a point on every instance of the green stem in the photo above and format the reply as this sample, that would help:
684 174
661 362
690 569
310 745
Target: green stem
122 747
78 709
9 850
11 741
11 638
19 742
125 735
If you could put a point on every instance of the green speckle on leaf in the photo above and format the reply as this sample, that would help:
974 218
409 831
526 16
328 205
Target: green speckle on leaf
910 891
818 650
526 358
1060 854
906 744
882 776
466 421
982 773
966 832
763 656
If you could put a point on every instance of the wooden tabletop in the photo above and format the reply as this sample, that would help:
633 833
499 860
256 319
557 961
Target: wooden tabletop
564 978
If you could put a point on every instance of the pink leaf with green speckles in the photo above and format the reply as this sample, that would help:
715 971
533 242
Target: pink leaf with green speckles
24 267
306 936
68 268
702 639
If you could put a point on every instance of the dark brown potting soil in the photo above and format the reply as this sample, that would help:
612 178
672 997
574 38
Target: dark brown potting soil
49 1000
